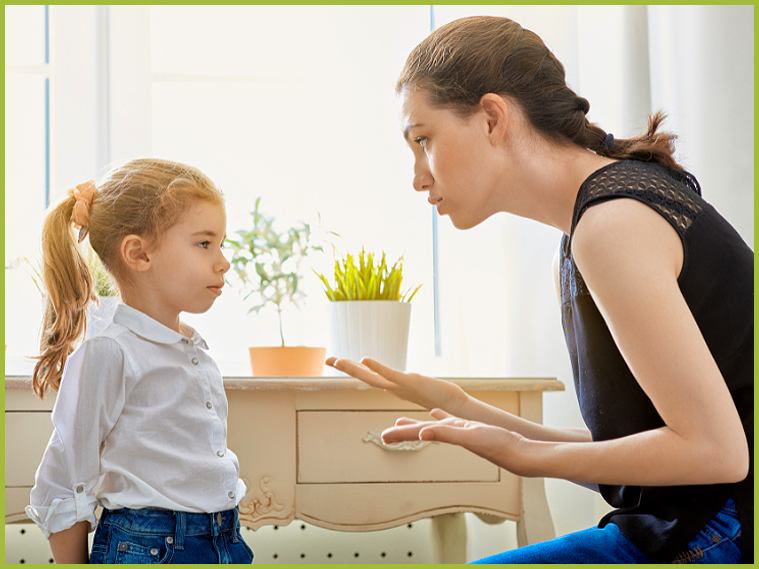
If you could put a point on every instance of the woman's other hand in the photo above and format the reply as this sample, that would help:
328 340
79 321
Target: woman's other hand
425 391
502 447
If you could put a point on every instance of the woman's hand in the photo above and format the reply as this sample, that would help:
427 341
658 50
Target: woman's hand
425 391
502 447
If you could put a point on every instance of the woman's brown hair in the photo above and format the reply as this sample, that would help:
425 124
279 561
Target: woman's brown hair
144 197
465 59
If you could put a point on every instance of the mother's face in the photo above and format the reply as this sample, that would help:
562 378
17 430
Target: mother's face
452 158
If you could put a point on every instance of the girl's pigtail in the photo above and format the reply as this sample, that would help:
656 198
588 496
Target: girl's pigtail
69 287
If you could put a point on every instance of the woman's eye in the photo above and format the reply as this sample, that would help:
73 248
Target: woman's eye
421 141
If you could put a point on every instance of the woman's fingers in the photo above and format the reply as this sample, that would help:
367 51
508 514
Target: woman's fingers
406 429
439 414
381 369
456 433
405 432
405 421
359 371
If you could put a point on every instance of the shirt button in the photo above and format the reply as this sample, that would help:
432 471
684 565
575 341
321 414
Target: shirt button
231 494
208 404
185 341
220 453
194 361
80 489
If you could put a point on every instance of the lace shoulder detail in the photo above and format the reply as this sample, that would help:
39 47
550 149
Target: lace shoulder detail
675 194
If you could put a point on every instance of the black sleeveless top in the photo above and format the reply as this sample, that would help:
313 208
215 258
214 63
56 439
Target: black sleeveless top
717 282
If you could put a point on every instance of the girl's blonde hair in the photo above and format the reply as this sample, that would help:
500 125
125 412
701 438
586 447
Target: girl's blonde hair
143 197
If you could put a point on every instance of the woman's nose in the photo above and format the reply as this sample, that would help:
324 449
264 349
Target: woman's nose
422 182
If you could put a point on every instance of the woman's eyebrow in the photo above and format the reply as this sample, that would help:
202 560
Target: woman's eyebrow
408 128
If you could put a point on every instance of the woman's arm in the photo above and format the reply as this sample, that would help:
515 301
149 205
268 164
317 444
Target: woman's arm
70 546
432 393
630 259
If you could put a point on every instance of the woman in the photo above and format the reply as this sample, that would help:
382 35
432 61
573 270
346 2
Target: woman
657 302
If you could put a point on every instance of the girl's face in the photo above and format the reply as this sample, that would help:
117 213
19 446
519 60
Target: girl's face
188 265
452 159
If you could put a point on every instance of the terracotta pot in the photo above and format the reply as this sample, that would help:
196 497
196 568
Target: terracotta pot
286 361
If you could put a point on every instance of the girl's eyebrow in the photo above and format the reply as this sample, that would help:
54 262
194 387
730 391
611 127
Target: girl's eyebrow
205 232
208 233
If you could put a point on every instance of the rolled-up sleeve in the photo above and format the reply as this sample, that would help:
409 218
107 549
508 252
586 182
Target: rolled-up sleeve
89 402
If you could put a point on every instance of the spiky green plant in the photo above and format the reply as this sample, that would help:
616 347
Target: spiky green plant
367 280
268 263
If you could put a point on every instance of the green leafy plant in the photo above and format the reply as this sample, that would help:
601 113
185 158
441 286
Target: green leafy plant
30 269
267 263
102 282
367 280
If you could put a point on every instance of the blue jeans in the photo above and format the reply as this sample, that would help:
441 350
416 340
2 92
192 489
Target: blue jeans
164 536
718 542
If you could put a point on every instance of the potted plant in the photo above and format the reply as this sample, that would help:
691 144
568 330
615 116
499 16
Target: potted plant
100 312
31 269
370 316
267 264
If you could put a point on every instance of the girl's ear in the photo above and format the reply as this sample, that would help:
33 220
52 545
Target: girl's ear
134 251
497 114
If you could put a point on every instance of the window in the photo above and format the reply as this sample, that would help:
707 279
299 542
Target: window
296 104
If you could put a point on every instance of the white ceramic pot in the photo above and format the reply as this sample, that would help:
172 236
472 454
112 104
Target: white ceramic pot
371 328
100 315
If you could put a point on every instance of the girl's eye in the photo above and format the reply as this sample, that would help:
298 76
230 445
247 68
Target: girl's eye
204 244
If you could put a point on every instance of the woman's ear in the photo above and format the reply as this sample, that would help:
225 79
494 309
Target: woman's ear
134 251
497 114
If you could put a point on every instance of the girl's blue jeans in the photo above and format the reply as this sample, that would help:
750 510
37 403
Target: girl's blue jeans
718 542
164 536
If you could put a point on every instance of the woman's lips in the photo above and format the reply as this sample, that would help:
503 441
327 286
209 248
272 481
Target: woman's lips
436 201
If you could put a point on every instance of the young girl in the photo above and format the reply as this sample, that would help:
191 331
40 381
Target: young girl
140 417
657 302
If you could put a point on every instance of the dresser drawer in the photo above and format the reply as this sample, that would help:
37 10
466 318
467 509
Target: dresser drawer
344 447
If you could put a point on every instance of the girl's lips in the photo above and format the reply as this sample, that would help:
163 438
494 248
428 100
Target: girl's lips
215 289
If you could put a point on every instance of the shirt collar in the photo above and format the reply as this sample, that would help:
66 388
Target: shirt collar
152 330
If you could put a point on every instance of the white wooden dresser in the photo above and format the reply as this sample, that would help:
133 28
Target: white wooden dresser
309 448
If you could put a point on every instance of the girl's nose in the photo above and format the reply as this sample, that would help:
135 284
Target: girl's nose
224 264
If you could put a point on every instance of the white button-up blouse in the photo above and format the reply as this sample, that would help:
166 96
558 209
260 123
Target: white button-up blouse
140 421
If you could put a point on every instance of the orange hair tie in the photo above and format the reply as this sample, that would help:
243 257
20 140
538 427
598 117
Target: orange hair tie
80 216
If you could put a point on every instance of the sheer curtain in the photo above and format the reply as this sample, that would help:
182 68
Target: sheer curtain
296 104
